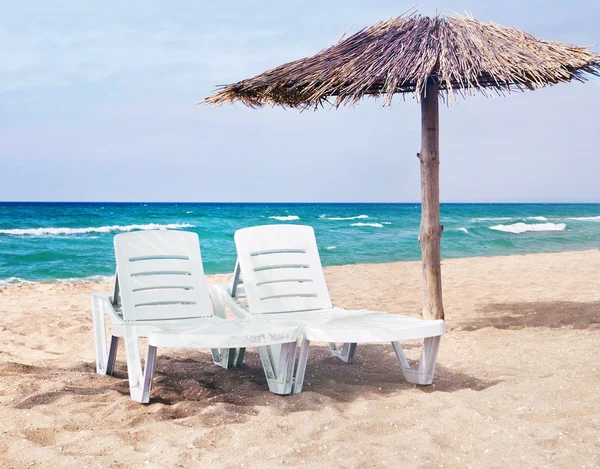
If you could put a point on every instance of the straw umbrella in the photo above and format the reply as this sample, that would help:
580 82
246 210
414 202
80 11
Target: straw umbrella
432 58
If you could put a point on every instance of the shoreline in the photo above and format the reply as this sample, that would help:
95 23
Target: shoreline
98 279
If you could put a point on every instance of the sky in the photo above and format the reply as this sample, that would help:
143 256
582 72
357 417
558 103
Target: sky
98 102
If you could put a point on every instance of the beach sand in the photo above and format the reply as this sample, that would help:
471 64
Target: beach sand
517 382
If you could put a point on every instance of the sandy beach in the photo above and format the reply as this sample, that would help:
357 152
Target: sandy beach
516 384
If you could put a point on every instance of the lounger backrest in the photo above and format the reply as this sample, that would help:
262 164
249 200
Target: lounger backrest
160 276
281 268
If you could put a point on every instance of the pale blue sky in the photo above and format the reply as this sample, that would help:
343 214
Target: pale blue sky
98 102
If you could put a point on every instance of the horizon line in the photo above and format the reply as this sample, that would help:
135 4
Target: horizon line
286 202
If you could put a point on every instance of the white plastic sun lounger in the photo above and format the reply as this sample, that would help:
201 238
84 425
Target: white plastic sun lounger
161 294
279 275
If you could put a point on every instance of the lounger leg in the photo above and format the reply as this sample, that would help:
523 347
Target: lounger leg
301 370
423 375
112 355
267 363
346 354
139 383
148 373
228 357
99 337
239 359
278 362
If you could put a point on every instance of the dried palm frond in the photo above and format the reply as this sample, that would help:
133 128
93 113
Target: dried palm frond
400 55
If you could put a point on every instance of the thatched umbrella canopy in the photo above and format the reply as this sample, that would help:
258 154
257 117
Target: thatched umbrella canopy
432 58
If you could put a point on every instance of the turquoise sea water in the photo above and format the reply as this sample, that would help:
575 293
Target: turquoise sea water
73 241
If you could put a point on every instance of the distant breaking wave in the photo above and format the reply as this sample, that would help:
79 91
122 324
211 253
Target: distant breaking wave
492 219
286 218
585 218
525 227
375 225
358 217
14 281
99 229
463 229
537 218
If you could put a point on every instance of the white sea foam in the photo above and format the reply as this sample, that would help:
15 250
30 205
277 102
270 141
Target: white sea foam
330 248
358 217
492 219
286 218
375 225
98 229
585 218
91 278
323 215
14 281
538 218
386 222
525 227
463 229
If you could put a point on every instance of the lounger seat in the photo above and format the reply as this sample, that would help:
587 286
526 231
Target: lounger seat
279 275
160 294
217 333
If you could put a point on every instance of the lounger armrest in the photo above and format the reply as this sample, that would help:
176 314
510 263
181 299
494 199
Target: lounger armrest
221 299
103 301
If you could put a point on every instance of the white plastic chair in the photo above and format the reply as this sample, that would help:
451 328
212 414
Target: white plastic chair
161 294
279 275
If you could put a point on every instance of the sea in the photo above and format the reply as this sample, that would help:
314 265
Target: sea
73 242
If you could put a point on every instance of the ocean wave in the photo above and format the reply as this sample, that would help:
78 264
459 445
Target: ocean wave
386 222
463 229
375 225
536 218
99 229
492 219
585 218
358 217
286 218
518 228
14 281
330 248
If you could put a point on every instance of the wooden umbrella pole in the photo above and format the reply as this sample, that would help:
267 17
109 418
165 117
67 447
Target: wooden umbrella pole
430 233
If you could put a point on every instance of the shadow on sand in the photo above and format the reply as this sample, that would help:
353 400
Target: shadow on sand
552 314
188 383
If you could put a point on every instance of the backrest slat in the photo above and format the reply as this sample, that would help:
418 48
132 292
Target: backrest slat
164 295
160 276
174 266
265 277
269 261
146 282
281 268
